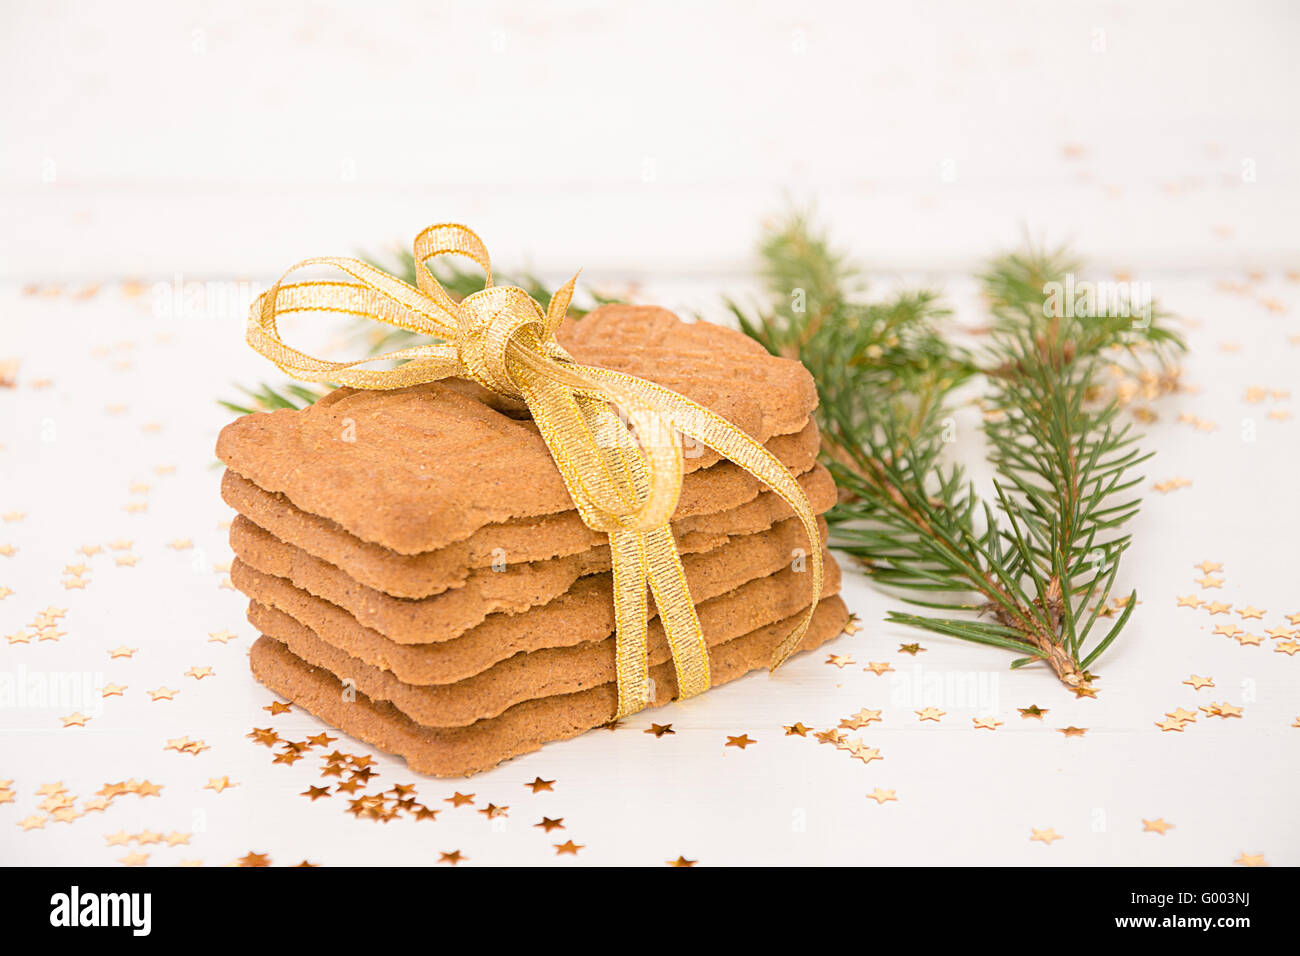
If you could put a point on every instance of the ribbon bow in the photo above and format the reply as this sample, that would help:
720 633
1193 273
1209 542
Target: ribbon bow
623 478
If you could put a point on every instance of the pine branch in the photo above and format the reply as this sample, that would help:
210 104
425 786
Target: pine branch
1031 570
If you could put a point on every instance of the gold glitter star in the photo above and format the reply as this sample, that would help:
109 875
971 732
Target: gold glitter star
567 847
1227 630
218 784
879 667
835 737
1206 567
180 544
113 690
660 730
1218 607
120 838
1190 600
1073 731
1210 582
277 707
1247 860
321 740
453 857
315 793
121 544
123 651
254 859
1289 648
198 673
930 713
147 789
75 720
1044 836
492 811
89 549
220 637
1170 725
1252 612
538 785
986 723
19 637
882 796
134 859
1158 825
548 824
680 861
126 560
1196 683
742 741
162 693
840 661
34 822
912 649
1187 716
264 736
1279 633
796 729
861 719
1251 640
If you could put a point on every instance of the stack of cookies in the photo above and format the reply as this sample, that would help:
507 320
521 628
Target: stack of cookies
422 581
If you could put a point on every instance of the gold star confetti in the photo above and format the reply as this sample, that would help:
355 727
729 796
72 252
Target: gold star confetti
1289 648
861 719
1170 725
1158 825
1227 630
122 651
1206 567
986 723
742 741
134 859
254 859
453 857
1073 731
220 637
548 824
1249 640
840 661
879 667
680 861
218 784
912 649
34 822
930 713
1210 582
75 720
1186 716
567 847
1190 600
126 560
796 729
835 737
277 707
1033 710
1252 612
315 793
1247 860
1045 836
882 796
492 811
1222 710
1196 683
198 673
1218 607
162 693
180 544
660 730
538 785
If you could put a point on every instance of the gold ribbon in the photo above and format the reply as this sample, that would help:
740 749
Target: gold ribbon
623 478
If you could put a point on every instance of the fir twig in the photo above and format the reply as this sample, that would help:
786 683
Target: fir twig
1032 569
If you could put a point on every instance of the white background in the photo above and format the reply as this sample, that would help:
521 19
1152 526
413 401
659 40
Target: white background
227 140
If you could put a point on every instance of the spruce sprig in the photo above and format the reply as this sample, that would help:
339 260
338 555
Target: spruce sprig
1030 569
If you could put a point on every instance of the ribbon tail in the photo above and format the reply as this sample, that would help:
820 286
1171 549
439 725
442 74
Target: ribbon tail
627 554
693 419
677 612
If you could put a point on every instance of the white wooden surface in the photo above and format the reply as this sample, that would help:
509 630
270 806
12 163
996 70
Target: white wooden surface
233 138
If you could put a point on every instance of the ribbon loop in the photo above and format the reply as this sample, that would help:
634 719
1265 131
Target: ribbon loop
623 473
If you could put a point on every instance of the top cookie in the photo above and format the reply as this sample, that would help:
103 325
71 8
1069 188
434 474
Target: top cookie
418 468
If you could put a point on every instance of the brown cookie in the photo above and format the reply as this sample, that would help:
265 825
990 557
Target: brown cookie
462 751
530 586
419 468
547 672
511 543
